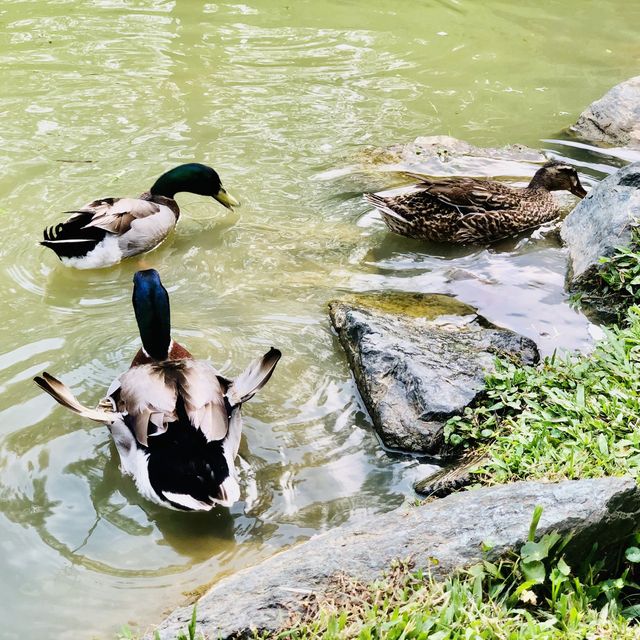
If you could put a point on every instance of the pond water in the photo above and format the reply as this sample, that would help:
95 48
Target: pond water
101 96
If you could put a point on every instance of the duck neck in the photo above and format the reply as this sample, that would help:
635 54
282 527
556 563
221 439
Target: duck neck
151 306
166 185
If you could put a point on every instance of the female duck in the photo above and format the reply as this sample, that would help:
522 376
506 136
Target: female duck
465 210
175 421
105 231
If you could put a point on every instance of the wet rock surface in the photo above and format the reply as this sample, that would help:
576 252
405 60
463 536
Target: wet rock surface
445 535
602 222
419 359
443 150
614 119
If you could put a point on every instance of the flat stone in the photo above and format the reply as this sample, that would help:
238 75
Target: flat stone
419 359
447 149
443 535
614 119
600 223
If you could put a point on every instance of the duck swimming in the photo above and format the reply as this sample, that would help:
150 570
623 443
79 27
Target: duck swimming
463 210
175 420
106 230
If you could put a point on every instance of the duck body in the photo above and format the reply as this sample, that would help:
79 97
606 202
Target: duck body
105 231
176 421
463 210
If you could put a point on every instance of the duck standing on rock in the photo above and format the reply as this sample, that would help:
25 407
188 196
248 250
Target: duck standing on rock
463 210
175 421
105 231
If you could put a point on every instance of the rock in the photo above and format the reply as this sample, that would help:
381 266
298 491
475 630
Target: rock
615 118
419 360
601 223
446 149
444 535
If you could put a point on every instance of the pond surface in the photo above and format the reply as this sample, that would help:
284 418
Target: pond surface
100 97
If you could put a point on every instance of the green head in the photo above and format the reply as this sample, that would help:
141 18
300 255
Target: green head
194 178
151 305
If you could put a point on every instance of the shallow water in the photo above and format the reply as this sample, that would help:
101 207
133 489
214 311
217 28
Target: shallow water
99 97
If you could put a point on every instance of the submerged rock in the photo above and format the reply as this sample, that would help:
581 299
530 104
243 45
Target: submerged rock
615 118
601 223
442 536
446 149
419 360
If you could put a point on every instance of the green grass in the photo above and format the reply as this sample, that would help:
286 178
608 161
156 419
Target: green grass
533 595
575 416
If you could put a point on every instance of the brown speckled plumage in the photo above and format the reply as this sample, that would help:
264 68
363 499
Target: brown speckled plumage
463 210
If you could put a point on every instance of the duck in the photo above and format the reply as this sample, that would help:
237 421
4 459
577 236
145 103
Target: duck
175 421
463 210
107 230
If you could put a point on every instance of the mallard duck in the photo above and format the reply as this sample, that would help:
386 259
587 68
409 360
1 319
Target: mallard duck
175 420
465 210
106 230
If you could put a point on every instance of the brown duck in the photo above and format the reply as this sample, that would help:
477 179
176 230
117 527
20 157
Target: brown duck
463 210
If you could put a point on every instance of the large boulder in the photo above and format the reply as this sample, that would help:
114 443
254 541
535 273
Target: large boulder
419 359
615 118
443 535
601 223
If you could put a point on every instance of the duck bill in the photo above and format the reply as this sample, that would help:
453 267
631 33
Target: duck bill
578 190
226 199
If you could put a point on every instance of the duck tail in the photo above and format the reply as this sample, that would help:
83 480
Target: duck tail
253 378
62 395
382 205
71 239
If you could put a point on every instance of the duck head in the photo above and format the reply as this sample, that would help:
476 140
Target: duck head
151 306
195 178
558 176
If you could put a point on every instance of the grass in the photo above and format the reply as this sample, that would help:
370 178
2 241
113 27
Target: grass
535 594
576 416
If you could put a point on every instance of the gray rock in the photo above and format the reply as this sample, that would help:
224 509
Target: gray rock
445 535
447 149
420 359
615 118
601 223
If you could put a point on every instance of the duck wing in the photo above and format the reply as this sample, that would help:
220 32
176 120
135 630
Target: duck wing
149 394
467 195
63 395
116 215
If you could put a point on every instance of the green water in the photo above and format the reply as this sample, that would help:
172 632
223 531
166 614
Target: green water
100 97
